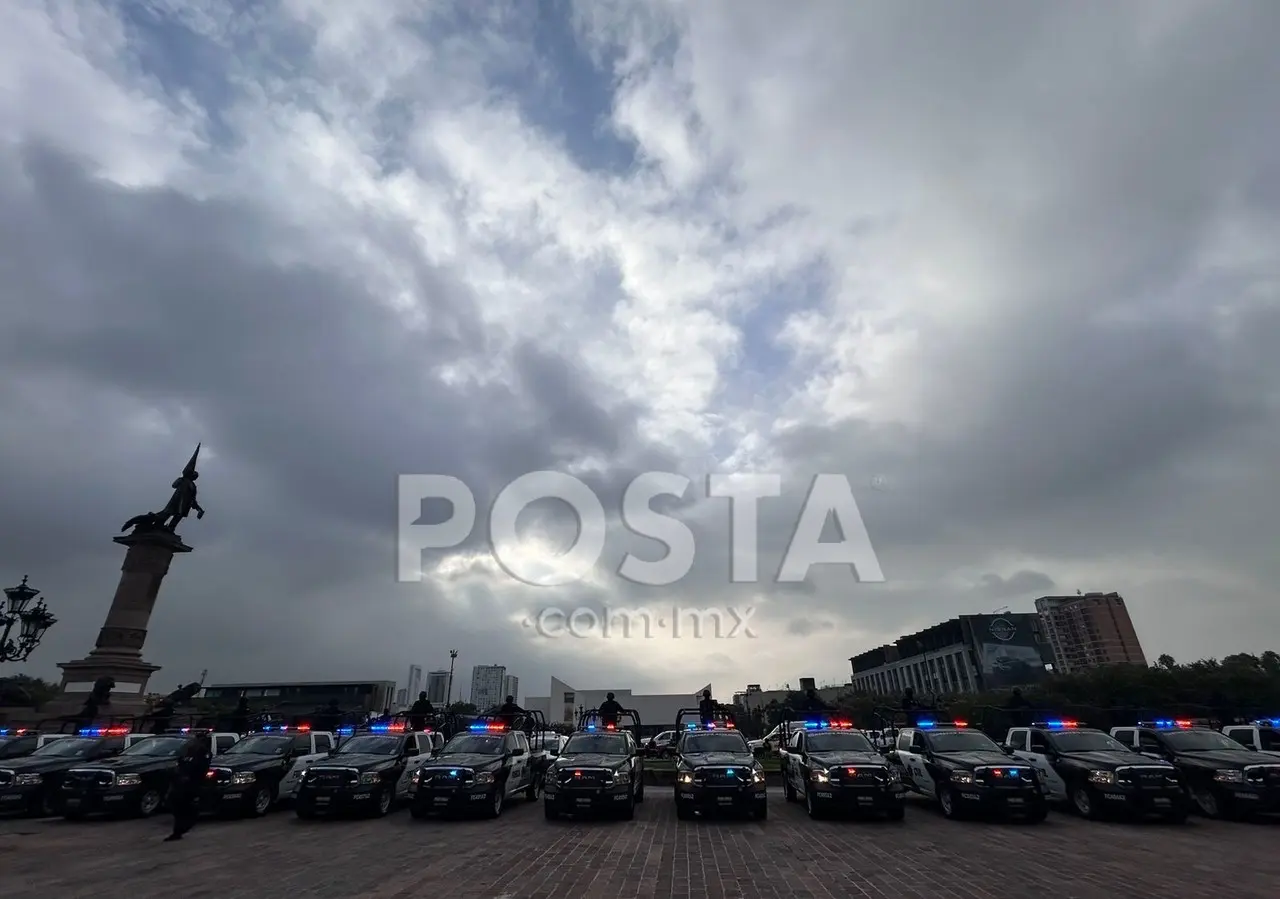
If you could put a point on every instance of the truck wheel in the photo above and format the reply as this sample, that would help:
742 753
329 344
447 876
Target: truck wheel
496 801
947 799
382 804
549 811
1206 802
149 803
788 789
812 805
261 803
534 793
761 811
628 810
1082 802
640 790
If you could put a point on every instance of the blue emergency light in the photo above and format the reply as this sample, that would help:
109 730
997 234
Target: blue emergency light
927 725
387 729
1166 724
346 731
828 725
488 728
1261 722
1057 725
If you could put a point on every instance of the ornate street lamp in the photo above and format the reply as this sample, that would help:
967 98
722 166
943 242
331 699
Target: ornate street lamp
453 657
31 623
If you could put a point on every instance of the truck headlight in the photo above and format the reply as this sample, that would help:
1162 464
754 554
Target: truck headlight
819 774
242 778
128 780
962 777
1228 776
757 775
28 780
417 777
622 777
1104 778
484 777
684 777
370 777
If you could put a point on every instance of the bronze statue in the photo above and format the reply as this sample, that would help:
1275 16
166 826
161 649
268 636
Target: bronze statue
181 503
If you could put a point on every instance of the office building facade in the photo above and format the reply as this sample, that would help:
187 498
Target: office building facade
511 687
413 685
969 654
486 686
305 696
437 687
1089 630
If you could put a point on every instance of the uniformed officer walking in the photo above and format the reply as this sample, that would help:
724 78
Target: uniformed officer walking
193 765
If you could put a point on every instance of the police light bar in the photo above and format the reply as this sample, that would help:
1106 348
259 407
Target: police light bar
387 729
1261 722
926 725
828 725
102 731
1057 725
1005 772
285 728
346 731
13 731
1167 724
488 728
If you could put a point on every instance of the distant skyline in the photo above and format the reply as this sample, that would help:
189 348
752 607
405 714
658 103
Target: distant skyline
1009 268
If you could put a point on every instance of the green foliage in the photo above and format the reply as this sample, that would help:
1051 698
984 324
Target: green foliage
26 692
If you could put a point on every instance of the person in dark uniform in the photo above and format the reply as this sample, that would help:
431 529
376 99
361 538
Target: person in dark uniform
1017 707
330 717
508 711
707 708
240 717
184 799
910 708
162 716
609 710
812 702
420 711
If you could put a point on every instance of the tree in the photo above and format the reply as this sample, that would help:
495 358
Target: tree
1166 662
26 692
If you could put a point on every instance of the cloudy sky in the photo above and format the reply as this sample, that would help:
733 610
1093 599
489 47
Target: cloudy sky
1012 268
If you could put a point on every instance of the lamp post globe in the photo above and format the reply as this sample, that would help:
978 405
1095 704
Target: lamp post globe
22 625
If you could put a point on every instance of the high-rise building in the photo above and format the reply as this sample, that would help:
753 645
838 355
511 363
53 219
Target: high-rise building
511 687
1089 630
437 687
486 686
413 686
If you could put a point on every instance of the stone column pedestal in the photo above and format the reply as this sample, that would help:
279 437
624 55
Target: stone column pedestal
118 653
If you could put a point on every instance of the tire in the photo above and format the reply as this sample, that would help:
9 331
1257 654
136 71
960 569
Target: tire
896 813
640 790
788 789
947 800
761 811
263 799
1206 802
1083 804
628 811
149 803
534 793
813 807
496 802
684 812
550 812
383 804
42 806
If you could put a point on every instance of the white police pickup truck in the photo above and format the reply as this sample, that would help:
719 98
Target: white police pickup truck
1261 736
308 747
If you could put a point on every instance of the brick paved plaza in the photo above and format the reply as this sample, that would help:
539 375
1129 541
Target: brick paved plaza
523 856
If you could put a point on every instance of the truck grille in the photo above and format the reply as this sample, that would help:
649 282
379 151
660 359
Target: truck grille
1263 774
333 777
446 777
1020 778
1147 776
90 778
721 777
585 778
860 776
219 775
6 778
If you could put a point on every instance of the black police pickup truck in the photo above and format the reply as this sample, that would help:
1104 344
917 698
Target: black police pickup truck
717 771
32 784
967 772
598 771
17 742
367 773
254 774
836 768
476 772
1096 774
135 782
1223 778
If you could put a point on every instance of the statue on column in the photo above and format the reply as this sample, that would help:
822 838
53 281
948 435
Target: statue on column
181 503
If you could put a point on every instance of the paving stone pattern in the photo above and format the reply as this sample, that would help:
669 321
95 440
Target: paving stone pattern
523 856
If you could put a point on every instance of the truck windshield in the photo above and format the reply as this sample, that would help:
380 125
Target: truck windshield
370 744
1199 741
1085 742
158 746
714 743
839 743
962 742
607 744
73 748
474 743
261 744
